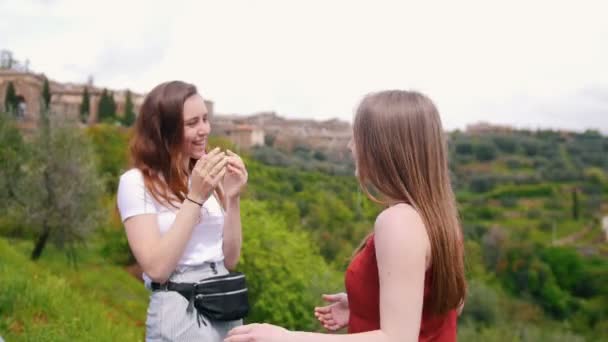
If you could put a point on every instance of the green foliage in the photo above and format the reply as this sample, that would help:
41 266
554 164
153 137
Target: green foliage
573 273
485 152
95 303
535 274
303 158
596 176
464 147
14 152
332 208
318 155
58 183
111 240
223 143
516 332
269 139
286 276
508 201
522 191
474 231
46 93
525 272
531 147
110 146
106 111
494 244
506 143
481 305
483 213
129 115
85 106
575 205
482 183
557 278
10 98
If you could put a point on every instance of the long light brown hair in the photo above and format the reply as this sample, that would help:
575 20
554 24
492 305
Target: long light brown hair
401 153
157 143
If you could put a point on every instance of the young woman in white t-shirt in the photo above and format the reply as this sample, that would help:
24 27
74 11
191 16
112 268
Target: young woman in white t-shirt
180 208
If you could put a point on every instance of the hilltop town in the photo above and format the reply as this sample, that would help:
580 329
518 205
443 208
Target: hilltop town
268 128
245 131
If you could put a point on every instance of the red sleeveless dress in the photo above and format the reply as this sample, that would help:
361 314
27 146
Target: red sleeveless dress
363 289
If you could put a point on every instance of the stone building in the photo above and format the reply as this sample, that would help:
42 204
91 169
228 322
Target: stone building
286 134
242 135
66 98
484 127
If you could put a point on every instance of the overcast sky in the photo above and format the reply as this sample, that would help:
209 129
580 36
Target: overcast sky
526 63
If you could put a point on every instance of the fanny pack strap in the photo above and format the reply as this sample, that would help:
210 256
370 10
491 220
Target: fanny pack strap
171 286
187 290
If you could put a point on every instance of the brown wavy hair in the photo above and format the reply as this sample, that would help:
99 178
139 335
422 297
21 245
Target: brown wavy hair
157 143
401 153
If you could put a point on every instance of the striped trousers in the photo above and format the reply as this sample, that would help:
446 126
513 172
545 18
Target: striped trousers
167 317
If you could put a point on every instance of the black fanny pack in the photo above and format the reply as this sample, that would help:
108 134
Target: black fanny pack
222 298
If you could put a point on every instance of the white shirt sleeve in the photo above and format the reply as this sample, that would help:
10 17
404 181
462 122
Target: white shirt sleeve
132 197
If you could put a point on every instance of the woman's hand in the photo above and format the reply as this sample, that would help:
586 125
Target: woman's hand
258 333
206 175
460 308
236 176
335 315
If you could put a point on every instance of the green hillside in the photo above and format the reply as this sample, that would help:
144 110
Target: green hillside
530 205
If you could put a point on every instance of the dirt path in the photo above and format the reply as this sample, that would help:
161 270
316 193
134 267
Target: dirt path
567 240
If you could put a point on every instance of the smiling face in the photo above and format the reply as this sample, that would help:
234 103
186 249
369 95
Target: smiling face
196 127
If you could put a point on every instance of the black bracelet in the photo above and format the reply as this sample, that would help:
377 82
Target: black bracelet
193 201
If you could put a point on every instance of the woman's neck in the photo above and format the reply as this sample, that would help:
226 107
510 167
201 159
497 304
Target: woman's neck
187 165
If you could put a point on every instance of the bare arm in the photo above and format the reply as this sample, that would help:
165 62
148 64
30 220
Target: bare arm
234 181
402 248
158 255
233 235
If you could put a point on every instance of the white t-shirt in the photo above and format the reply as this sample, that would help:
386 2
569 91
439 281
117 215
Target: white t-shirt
205 243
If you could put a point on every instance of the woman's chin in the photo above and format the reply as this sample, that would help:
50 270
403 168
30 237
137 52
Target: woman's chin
197 154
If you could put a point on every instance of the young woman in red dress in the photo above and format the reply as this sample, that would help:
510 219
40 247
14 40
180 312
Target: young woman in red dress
406 282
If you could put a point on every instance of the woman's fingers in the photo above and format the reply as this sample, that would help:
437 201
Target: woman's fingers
236 166
235 170
217 178
332 327
328 316
235 159
202 160
234 162
218 167
330 321
211 153
203 164
231 167
213 160
332 298
324 318
322 309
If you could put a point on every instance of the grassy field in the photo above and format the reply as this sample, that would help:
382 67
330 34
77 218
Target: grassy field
45 301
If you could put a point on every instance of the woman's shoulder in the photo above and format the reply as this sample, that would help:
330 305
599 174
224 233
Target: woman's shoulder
400 220
131 178
399 213
133 174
